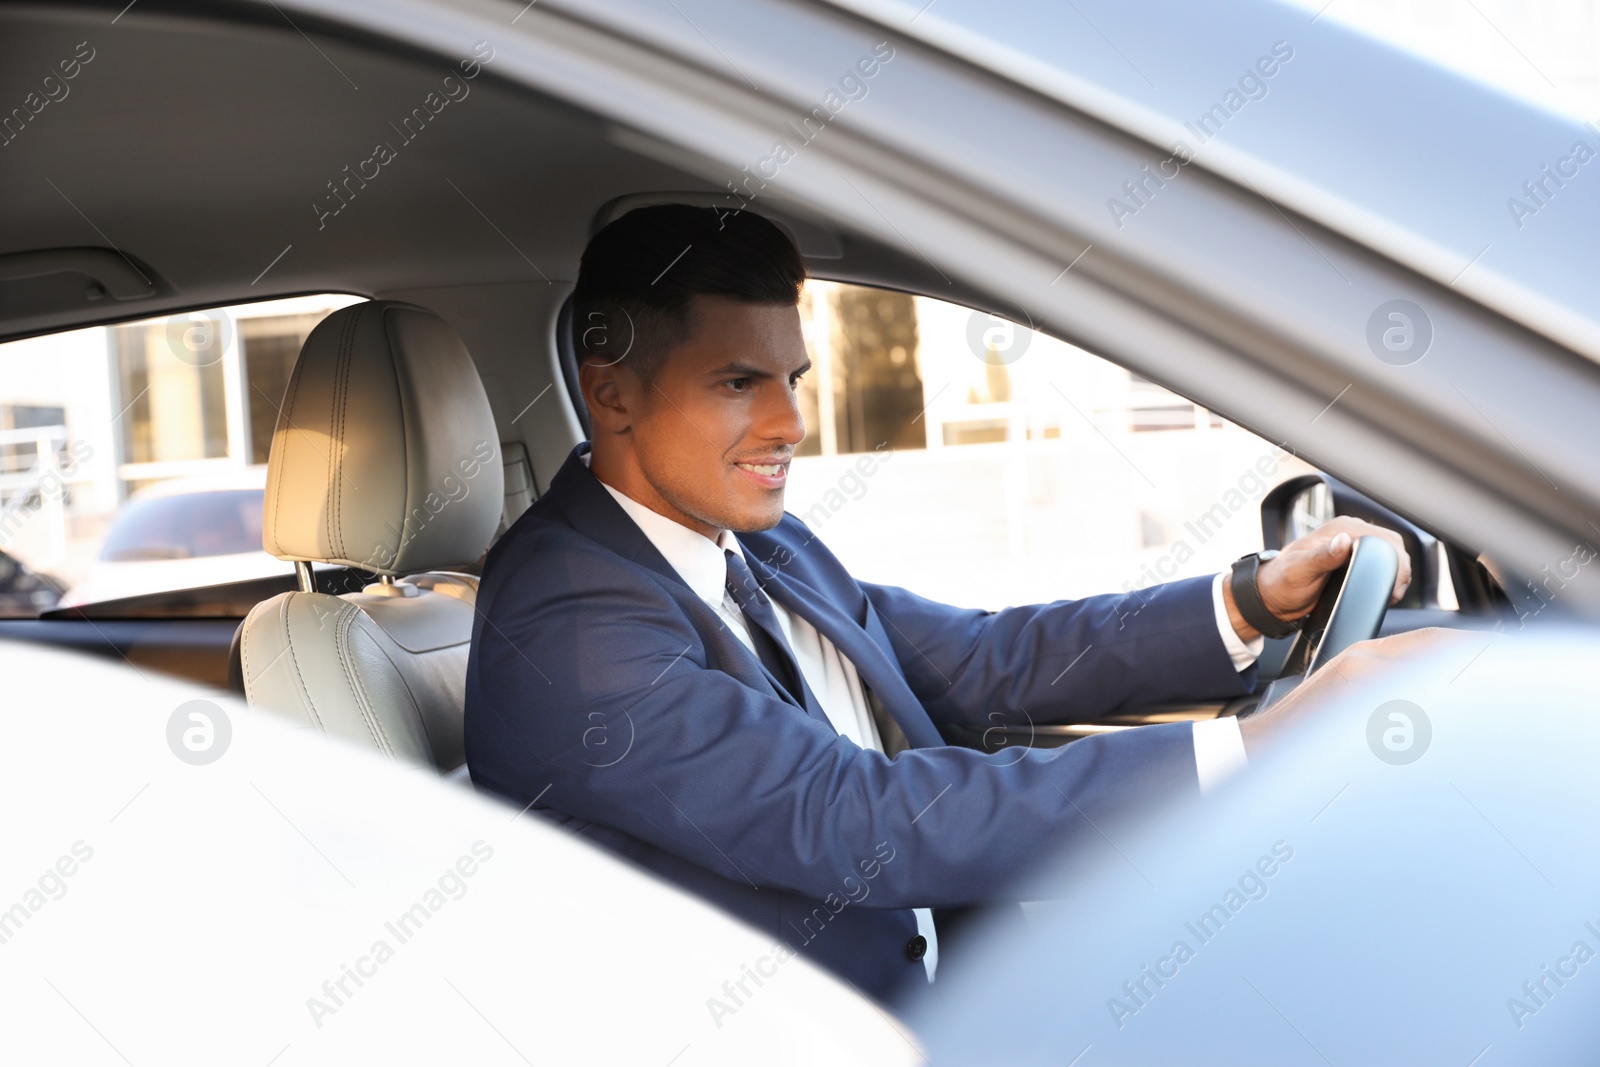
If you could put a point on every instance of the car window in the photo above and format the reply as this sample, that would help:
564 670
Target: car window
186 525
132 457
982 463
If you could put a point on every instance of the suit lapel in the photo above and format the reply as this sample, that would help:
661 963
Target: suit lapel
579 496
880 673
811 706
590 510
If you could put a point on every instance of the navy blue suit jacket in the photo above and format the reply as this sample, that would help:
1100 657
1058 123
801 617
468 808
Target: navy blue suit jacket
601 685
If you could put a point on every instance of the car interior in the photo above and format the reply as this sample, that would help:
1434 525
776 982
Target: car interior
456 368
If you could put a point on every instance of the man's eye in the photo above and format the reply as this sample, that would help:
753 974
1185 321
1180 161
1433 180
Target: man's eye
796 379
738 385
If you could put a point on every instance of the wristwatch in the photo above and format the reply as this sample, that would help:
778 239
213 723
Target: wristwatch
1247 596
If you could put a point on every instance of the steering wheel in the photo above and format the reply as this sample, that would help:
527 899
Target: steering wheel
1351 608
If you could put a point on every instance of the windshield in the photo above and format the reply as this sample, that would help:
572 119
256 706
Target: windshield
217 523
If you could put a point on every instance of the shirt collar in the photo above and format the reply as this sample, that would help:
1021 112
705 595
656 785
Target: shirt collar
698 561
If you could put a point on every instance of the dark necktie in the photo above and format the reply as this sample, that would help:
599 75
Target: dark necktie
765 633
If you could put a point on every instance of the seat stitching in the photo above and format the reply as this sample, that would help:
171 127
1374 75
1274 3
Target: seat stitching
416 705
299 679
341 384
341 399
374 727
433 748
284 415
244 653
341 637
393 352
333 445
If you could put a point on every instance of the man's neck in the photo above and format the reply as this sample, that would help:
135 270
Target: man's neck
626 478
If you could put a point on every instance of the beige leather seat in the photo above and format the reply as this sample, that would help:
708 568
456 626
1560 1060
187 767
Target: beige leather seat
385 457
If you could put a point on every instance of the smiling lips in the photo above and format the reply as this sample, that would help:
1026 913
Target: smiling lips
768 475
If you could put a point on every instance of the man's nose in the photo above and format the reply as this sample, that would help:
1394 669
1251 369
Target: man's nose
780 418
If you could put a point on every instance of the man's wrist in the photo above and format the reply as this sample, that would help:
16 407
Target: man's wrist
1246 632
1242 652
1244 585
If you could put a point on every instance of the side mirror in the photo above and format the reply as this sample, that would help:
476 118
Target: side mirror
1301 504
1295 508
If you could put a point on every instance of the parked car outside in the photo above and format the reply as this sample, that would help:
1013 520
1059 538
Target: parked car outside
186 533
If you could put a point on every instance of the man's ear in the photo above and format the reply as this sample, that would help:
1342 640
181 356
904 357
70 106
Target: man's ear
607 395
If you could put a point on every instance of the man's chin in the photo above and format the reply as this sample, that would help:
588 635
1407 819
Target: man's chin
758 520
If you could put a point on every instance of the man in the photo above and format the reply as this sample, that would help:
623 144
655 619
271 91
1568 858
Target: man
672 666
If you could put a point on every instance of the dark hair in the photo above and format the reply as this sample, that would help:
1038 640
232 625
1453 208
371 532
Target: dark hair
641 272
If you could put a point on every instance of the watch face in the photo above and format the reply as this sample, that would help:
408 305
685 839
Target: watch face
1270 553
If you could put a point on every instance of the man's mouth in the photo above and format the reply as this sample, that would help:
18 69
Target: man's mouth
768 475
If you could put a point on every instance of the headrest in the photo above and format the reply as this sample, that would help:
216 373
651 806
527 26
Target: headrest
385 455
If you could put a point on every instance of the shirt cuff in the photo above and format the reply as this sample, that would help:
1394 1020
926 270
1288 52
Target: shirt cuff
1242 654
1218 751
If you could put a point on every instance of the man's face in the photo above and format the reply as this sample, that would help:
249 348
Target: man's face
708 441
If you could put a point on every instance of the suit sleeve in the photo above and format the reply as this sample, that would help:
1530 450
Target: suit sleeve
1066 661
596 695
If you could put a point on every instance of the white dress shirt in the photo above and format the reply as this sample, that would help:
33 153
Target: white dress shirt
1218 746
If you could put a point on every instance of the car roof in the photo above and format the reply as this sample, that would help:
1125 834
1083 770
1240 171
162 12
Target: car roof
1383 145
465 204
1402 155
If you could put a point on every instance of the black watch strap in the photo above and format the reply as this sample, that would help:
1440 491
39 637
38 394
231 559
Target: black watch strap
1247 596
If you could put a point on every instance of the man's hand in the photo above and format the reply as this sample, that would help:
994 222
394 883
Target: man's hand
1291 583
1360 662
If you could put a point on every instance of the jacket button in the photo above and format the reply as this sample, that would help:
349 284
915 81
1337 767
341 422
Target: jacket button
916 948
